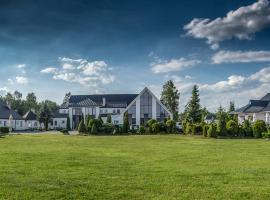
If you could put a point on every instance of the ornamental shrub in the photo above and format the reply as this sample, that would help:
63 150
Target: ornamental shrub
232 127
94 129
64 131
212 131
4 130
141 130
155 128
81 127
247 128
170 125
205 129
258 128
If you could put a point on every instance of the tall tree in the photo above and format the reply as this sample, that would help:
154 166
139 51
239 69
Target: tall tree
193 108
31 102
170 98
45 112
222 120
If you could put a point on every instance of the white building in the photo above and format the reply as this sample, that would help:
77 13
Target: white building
31 121
255 110
140 108
10 118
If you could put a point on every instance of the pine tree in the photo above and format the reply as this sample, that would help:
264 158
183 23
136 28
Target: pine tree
170 98
109 118
222 120
193 108
126 123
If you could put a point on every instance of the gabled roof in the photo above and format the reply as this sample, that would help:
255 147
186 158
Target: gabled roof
5 112
112 100
256 106
30 115
266 97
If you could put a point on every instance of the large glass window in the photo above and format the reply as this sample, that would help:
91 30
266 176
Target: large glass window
145 107
161 113
132 114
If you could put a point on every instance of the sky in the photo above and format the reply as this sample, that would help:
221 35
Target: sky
85 47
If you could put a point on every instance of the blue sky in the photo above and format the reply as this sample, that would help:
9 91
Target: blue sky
52 47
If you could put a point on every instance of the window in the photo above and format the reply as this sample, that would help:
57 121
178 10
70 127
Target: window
115 122
55 123
35 124
21 124
132 114
63 121
161 113
5 123
101 111
118 111
113 110
145 107
0 122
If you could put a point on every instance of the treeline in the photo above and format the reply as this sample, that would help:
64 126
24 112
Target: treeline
44 110
97 126
224 123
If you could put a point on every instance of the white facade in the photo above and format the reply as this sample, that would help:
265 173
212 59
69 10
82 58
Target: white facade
145 106
58 123
17 125
253 117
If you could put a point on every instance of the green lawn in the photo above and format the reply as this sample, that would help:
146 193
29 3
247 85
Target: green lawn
133 167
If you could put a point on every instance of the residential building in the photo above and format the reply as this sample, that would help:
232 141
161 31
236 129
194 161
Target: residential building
140 108
255 110
31 120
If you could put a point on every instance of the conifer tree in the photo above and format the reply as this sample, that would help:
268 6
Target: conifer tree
193 108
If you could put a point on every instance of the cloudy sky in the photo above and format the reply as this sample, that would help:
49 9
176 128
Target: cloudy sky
52 47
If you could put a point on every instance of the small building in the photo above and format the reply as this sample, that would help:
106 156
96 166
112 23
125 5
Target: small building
210 118
31 121
59 121
6 114
255 110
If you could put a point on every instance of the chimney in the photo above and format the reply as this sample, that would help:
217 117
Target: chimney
103 101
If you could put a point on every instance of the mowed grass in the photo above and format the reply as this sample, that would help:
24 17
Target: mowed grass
133 167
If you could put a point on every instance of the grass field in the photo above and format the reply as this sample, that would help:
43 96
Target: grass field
133 167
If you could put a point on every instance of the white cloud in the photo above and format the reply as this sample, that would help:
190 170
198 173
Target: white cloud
21 80
10 81
49 70
241 56
173 65
83 72
236 88
3 91
242 24
20 66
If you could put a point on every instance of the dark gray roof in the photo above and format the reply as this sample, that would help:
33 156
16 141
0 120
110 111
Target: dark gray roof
60 115
266 97
30 115
112 100
255 106
5 112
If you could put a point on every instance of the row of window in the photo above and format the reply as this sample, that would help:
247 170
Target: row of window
18 123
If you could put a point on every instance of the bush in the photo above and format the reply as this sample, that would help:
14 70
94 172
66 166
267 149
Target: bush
141 130
109 128
155 128
188 129
232 127
197 129
258 128
81 127
212 131
205 129
247 129
94 129
64 131
4 130
171 126
126 123
266 134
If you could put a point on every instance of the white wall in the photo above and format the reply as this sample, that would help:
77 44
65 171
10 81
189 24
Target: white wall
17 125
58 123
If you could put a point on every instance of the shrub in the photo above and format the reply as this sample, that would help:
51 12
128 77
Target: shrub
68 123
155 128
188 128
94 129
170 125
247 128
126 123
241 131
141 130
109 128
266 134
205 128
109 119
81 127
4 130
258 128
232 127
197 129
64 131
212 131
